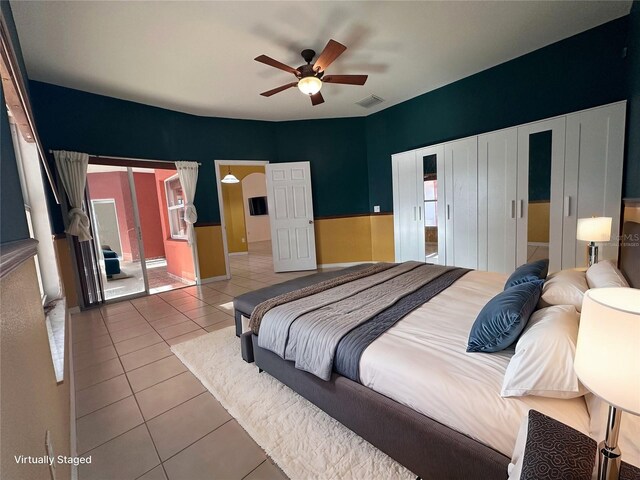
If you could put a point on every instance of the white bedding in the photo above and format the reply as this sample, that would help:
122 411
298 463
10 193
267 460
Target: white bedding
422 362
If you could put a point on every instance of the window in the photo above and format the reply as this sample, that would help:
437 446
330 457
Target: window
430 203
175 208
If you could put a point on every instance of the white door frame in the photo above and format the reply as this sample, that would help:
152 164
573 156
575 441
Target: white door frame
218 164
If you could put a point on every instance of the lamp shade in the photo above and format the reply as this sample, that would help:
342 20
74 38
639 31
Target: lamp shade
607 359
310 85
596 229
230 178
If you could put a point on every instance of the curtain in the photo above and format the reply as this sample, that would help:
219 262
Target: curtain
188 174
72 168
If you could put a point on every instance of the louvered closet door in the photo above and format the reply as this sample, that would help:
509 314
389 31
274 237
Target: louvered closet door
593 177
497 182
407 207
461 192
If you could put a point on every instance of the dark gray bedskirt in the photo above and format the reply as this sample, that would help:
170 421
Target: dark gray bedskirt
426 447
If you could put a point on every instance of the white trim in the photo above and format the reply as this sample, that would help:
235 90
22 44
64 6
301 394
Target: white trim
538 244
238 253
72 393
214 279
217 165
345 264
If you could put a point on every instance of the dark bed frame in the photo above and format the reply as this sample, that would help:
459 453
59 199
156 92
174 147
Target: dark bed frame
424 446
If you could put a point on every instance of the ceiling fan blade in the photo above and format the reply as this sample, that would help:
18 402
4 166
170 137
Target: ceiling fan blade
275 63
346 79
317 99
268 93
332 51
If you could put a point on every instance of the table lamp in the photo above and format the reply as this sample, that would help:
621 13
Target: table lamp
592 230
607 362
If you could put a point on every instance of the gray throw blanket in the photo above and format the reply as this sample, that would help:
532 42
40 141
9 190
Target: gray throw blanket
308 330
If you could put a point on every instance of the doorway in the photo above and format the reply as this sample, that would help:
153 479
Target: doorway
139 236
245 215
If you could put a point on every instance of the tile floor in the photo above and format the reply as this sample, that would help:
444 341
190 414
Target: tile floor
140 412
159 279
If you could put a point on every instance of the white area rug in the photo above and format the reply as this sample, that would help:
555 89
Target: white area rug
305 442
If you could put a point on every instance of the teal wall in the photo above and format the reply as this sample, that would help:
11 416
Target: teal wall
350 157
13 221
73 120
632 170
580 72
337 151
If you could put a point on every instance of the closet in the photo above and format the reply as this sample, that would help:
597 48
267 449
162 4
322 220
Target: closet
511 196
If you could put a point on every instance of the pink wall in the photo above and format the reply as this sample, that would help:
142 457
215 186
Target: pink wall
150 219
115 185
177 252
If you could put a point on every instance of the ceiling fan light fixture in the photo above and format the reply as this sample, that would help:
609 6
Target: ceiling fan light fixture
310 85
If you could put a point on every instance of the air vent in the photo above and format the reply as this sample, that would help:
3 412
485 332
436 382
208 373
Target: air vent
370 101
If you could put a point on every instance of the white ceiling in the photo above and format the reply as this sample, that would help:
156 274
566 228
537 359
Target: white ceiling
197 57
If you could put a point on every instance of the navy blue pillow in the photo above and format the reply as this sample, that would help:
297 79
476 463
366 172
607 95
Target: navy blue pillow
501 321
528 272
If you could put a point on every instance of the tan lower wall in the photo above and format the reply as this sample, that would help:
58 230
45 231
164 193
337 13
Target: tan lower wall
382 241
343 240
538 222
66 271
31 401
210 251
631 214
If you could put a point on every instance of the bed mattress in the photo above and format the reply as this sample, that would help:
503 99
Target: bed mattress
422 363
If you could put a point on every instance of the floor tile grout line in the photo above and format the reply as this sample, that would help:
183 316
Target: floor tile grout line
259 465
208 433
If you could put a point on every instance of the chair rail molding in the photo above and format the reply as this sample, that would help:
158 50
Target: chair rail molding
14 254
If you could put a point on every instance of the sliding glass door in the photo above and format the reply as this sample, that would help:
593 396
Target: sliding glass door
117 237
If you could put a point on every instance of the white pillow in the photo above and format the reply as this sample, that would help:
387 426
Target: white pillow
605 274
629 437
566 287
543 362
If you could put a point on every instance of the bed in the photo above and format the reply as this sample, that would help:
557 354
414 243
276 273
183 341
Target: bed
418 393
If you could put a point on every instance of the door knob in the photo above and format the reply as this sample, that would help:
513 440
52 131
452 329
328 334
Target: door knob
310 222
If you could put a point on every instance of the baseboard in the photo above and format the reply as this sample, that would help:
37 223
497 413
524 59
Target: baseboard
238 253
213 279
538 244
346 264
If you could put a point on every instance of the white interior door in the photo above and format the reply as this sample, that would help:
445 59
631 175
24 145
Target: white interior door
291 216
593 177
461 191
497 175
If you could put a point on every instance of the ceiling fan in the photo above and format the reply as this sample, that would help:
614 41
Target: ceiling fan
310 77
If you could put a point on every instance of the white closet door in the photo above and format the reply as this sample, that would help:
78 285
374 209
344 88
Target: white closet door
593 177
407 207
461 191
557 128
438 151
497 179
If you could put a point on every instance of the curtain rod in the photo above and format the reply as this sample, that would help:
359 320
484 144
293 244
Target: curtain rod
130 158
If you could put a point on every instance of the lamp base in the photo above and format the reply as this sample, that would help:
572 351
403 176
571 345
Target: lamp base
609 456
609 463
593 253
